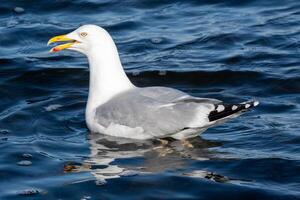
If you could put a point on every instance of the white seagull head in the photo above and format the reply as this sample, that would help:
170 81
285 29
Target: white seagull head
107 76
85 39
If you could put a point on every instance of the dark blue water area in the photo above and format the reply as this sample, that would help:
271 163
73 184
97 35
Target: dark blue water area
232 50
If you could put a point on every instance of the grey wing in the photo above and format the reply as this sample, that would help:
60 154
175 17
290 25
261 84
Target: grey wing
159 111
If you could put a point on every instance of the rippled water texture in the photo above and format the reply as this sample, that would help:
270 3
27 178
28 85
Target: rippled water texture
232 50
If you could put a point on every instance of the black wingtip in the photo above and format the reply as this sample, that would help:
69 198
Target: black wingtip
225 110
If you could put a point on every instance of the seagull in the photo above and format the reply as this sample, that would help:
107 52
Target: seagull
118 108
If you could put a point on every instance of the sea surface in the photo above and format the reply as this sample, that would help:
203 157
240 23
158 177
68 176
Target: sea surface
232 50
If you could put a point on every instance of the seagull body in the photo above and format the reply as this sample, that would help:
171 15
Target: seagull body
118 108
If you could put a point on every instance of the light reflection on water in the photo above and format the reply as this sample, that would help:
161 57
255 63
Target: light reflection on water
112 157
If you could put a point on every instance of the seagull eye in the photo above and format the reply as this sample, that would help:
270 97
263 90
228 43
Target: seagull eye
83 34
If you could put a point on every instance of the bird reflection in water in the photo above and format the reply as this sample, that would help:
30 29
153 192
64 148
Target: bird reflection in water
109 158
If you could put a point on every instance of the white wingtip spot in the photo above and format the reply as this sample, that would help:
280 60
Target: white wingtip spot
234 107
220 108
247 105
256 103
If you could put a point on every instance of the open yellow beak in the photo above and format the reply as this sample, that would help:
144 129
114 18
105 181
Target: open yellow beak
61 38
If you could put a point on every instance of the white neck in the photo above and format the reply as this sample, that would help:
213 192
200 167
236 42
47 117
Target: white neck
107 77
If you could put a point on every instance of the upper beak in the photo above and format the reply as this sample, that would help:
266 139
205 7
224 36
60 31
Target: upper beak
61 38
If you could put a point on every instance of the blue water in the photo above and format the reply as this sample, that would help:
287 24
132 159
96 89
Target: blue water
232 50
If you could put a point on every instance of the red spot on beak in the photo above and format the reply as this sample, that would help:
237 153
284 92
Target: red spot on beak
55 49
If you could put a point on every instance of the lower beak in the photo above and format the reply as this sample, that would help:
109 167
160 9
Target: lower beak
61 38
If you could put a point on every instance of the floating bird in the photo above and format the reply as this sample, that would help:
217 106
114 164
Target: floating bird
118 108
